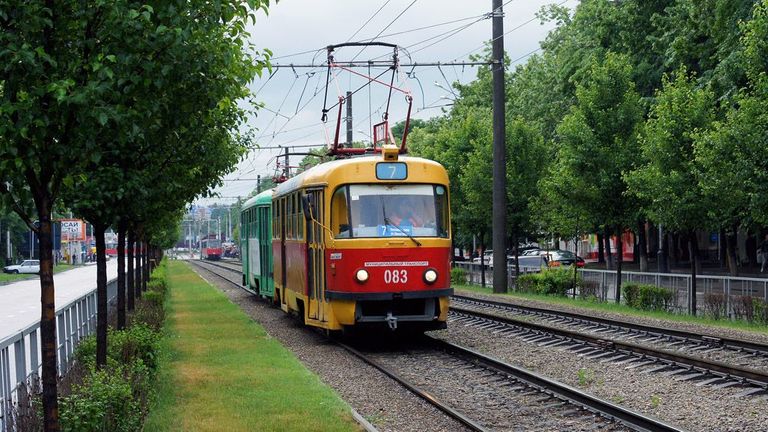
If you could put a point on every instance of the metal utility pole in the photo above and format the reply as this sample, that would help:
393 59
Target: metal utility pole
258 184
499 155
190 238
287 164
348 119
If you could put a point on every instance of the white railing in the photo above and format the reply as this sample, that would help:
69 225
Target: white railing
730 287
20 355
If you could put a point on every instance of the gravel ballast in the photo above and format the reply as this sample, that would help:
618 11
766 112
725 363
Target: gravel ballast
692 407
381 401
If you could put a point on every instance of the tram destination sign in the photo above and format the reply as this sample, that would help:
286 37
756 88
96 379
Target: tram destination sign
391 171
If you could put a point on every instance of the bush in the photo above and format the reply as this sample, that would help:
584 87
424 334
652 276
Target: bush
646 297
743 308
760 310
149 310
714 305
589 290
549 282
458 276
124 347
138 342
105 401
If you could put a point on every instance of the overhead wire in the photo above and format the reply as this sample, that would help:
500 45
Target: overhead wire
387 26
519 26
369 20
444 36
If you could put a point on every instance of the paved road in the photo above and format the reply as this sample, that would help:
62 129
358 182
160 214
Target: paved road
20 301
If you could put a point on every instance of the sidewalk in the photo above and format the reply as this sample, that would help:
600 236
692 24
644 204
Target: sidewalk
222 372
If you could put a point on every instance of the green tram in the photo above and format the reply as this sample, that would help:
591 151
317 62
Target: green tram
256 244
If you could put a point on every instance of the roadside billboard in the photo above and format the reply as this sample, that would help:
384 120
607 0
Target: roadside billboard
72 230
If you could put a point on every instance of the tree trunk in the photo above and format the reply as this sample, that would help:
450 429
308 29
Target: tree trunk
48 347
121 275
619 259
600 249
731 242
145 266
137 280
608 253
101 295
693 249
642 246
131 272
482 260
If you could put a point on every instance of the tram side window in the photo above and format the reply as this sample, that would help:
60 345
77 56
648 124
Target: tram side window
442 211
340 213
299 217
274 221
251 230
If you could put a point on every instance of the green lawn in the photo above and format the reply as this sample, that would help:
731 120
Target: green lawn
222 372
8 278
620 309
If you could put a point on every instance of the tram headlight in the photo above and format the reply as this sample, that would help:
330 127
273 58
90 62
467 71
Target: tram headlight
361 275
430 276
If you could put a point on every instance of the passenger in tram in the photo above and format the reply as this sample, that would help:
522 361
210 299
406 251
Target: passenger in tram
404 215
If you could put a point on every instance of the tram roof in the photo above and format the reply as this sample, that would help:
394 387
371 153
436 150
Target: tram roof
323 174
263 198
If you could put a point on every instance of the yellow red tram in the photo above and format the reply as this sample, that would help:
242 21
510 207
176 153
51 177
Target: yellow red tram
364 241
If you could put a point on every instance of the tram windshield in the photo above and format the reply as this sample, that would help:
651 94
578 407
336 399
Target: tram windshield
211 243
379 210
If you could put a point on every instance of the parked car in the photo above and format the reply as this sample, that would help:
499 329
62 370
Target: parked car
487 257
27 266
530 251
556 258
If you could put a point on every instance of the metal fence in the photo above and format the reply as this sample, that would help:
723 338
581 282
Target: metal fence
20 355
474 273
729 287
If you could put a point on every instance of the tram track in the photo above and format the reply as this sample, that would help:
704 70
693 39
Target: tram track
674 338
498 395
498 386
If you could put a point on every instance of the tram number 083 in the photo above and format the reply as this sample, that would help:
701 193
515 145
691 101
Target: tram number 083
395 276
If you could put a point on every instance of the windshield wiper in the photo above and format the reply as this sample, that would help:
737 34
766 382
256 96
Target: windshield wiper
389 222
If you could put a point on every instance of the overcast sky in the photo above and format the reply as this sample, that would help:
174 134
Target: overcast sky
294 100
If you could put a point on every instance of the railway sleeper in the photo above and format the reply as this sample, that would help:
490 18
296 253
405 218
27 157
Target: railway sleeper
752 392
641 364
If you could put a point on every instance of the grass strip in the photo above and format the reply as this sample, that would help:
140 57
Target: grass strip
620 309
221 372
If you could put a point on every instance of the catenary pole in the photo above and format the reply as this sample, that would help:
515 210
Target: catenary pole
348 119
499 156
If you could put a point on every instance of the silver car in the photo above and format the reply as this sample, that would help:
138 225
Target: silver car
27 266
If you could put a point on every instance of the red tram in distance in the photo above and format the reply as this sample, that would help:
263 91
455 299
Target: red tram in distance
210 249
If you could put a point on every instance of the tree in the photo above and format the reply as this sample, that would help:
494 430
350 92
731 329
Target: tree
71 70
669 180
597 144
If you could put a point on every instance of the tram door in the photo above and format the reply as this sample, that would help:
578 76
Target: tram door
315 256
283 263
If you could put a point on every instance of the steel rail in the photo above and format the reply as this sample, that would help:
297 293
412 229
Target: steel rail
695 364
575 396
431 399
732 343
